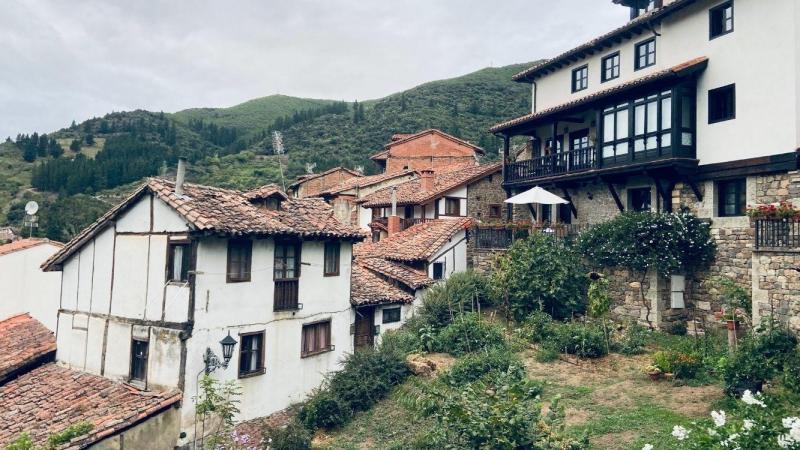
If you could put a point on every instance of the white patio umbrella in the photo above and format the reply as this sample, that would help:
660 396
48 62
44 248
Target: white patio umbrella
536 195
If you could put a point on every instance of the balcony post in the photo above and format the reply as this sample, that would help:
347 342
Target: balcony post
505 155
553 147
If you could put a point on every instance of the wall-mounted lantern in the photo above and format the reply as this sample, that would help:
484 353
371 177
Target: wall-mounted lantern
211 360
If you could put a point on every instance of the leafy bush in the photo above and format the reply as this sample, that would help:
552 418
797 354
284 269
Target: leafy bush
324 410
403 341
758 359
474 366
459 294
776 345
581 339
469 333
791 373
538 326
634 339
22 442
291 437
68 434
678 329
683 365
539 273
367 376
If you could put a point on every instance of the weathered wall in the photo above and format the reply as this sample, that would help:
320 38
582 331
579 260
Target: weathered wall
159 432
484 193
428 151
315 185
25 288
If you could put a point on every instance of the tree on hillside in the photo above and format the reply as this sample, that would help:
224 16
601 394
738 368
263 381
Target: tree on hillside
403 103
89 139
54 149
75 145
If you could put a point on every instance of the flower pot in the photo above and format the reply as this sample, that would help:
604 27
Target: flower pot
669 376
732 324
655 376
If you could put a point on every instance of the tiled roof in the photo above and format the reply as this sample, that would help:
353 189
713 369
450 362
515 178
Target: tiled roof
228 212
416 243
360 182
381 155
24 342
268 190
411 192
413 278
311 176
403 138
50 398
690 66
635 26
367 288
22 244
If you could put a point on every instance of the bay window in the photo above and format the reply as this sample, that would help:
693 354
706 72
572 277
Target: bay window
615 132
652 124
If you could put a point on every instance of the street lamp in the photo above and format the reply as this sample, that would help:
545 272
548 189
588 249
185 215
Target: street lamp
211 360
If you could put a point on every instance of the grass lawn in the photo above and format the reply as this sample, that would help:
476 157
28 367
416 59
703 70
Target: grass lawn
610 399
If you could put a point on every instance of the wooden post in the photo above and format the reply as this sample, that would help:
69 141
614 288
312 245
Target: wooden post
553 147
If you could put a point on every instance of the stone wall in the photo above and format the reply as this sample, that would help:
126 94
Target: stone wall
776 287
484 193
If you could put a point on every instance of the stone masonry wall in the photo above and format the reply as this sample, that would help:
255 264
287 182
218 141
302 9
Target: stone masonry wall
483 193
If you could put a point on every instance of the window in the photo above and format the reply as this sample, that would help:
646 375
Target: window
615 132
731 199
139 360
251 354
652 123
287 261
332 250
391 315
565 213
547 213
316 338
438 270
240 253
495 211
610 67
452 206
639 199
722 104
178 262
548 145
720 20
645 54
580 78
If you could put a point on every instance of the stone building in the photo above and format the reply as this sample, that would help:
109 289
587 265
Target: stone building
310 185
429 149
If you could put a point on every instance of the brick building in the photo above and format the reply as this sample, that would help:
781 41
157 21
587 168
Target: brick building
429 149
310 185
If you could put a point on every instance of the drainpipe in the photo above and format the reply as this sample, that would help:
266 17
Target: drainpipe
180 177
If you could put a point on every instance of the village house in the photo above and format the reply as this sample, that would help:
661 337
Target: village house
390 276
26 289
181 280
343 196
310 185
675 110
429 149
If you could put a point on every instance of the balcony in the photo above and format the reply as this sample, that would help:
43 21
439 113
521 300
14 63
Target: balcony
777 234
382 223
555 164
286 295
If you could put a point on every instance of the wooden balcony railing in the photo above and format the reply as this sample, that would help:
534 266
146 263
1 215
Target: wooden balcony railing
777 234
554 164
501 238
410 222
286 295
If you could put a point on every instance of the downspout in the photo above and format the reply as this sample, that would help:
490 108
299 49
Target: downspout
534 91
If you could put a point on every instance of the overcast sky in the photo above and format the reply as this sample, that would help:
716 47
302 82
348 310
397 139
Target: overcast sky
65 60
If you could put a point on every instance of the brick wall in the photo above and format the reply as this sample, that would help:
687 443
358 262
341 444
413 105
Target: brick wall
316 185
429 151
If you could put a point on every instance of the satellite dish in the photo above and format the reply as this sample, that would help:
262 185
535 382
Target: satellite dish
31 207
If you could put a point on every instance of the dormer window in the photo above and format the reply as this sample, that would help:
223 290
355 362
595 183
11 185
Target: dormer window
580 78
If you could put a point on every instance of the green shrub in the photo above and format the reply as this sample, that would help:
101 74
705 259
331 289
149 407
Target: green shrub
581 339
22 442
474 366
459 294
367 376
291 437
402 341
547 353
776 346
683 365
634 340
745 370
678 329
538 326
539 273
68 434
324 410
469 333
791 373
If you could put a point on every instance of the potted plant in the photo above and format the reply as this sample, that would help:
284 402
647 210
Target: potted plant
653 372
736 303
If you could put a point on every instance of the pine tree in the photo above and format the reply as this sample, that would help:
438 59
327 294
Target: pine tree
54 148
75 145
403 104
89 139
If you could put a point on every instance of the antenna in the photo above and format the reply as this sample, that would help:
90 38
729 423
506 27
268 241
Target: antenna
31 220
310 167
278 149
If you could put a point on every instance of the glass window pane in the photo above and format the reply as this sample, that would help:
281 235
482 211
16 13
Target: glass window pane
652 117
686 138
638 145
608 127
622 124
622 148
608 151
666 113
652 143
686 112
639 120
666 140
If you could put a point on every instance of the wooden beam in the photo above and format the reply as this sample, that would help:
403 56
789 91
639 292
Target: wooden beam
532 210
614 194
509 208
695 189
571 205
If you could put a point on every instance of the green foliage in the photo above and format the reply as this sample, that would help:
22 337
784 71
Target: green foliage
599 300
68 434
539 273
791 372
758 359
634 340
475 366
60 218
734 295
22 442
293 436
678 328
217 405
537 326
469 333
586 340
460 293
325 410
402 341
641 241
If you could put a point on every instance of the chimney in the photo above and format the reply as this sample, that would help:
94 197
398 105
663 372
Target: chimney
393 221
426 179
180 177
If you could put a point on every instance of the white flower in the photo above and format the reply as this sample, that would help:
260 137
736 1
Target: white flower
751 399
791 422
784 441
719 418
748 424
712 432
647 447
680 432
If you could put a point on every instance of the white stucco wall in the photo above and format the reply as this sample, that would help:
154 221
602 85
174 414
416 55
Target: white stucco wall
762 60
453 254
25 288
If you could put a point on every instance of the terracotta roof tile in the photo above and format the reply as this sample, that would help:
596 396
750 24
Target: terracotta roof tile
677 70
311 176
229 212
24 342
416 243
409 276
50 398
268 190
22 244
403 138
360 182
411 192
367 288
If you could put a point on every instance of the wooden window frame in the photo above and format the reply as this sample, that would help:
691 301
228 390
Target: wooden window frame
298 247
711 18
337 248
443 264
458 210
499 210
722 89
229 278
629 199
329 348
616 67
740 185
392 311
170 275
580 78
259 370
132 359
643 44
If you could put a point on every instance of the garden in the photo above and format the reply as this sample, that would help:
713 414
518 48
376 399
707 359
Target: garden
531 358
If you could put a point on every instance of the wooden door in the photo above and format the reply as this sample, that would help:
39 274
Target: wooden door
364 329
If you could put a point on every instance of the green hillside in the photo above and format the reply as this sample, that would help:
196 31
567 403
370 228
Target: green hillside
253 115
232 147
